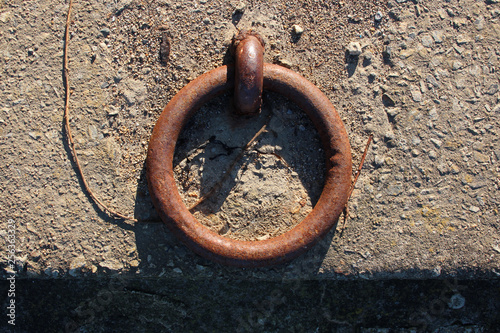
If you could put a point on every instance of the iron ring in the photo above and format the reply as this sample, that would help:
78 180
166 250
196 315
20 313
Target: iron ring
203 241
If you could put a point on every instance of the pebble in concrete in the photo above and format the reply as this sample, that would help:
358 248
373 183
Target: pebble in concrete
297 29
354 49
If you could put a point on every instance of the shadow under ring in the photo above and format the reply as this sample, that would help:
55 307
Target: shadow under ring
272 251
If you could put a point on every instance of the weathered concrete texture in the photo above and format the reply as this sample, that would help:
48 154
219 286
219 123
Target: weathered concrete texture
424 82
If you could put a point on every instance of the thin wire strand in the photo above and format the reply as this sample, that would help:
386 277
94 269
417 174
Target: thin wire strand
353 184
358 172
68 128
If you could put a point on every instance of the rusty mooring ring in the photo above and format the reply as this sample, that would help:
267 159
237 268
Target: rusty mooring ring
200 239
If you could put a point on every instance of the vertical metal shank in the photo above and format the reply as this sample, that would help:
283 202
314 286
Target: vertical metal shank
249 74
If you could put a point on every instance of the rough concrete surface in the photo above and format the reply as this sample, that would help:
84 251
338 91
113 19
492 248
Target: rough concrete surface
421 76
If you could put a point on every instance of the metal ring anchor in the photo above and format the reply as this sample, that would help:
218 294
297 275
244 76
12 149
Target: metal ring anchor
203 241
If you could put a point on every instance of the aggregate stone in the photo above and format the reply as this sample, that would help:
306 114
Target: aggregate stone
481 158
433 114
405 54
111 265
49 271
443 168
459 22
4 16
496 109
388 53
367 58
454 168
492 89
479 23
457 65
437 35
436 142
432 80
76 265
477 185
461 39
134 91
474 209
35 135
113 111
105 32
393 112
297 29
94 134
427 41
395 189
379 160
285 62
240 7
354 49
416 94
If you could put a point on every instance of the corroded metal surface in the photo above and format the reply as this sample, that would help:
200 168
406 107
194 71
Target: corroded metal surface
249 72
200 239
